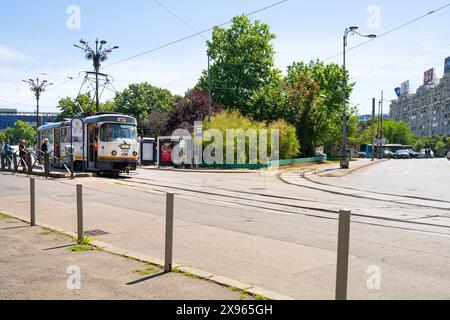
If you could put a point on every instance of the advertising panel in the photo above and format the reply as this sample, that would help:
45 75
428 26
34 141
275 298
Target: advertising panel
77 130
428 77
166 152
447 66
405 87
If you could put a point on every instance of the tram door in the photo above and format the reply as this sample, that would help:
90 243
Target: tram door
92 146
57 146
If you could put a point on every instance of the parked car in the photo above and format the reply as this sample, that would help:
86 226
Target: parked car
424 155
360 155
402 154
413 154
388 154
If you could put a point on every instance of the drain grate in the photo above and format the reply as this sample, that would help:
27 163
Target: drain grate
94 233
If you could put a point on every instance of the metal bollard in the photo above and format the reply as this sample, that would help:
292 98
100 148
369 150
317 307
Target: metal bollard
29 163
32 202
343 254
80 213
169 232
16 165
71 166
2 162
47 164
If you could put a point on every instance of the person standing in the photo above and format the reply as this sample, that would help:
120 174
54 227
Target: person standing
44 150
22 154
9 152
2 153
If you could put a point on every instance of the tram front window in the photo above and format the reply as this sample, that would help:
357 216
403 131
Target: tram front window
116 132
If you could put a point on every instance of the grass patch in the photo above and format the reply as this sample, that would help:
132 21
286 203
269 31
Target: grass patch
84 245
148 270
5 216
48 232
242 294
261 298
81 248
186 274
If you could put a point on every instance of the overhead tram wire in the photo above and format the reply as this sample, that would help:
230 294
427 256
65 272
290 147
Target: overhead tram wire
392 30
178 18
191 36
167 45
404 60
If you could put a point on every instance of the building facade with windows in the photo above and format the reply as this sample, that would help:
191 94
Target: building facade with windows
9 116
427 112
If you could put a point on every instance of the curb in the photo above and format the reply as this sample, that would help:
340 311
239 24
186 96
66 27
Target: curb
201 170
350 171
186 270
52 175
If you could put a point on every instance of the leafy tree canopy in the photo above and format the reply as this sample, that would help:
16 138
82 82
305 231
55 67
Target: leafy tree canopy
138 100
242 62
21 130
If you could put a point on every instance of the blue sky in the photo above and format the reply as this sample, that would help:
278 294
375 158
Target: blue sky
34 38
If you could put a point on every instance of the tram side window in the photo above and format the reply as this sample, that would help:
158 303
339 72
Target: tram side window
50 137
65 135
48 134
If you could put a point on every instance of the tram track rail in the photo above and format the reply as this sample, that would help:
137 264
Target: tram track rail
286 208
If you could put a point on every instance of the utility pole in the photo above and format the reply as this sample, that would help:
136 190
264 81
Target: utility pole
209 89
373 129
380 128
345 163
38 87
97 70
98 56
382 105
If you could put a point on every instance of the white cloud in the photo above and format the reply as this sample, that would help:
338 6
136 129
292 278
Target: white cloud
11 54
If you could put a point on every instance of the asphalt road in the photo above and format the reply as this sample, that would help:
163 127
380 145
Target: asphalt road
425 178
258 229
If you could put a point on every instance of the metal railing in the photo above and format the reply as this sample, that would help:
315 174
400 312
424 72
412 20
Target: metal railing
33 158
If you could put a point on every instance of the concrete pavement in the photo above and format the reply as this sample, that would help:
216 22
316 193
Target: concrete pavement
35 264
289 253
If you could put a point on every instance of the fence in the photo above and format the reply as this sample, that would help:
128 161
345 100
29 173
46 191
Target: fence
270 164
35 158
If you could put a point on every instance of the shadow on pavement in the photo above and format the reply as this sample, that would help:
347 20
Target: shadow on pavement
153 276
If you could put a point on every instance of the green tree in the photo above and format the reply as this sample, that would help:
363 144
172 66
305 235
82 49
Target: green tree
21 130
322 119
242 63
138 100
2 136
398 133
303 109
269 103
81 106
440 148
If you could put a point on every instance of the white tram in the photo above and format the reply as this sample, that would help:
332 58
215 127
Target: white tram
101 143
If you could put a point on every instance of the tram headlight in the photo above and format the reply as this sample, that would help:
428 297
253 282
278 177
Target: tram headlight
114 153
135 154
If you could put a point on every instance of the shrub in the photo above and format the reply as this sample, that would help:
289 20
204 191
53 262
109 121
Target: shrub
289 145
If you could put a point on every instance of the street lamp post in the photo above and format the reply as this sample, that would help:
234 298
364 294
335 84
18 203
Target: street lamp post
37 87
98 56
209 89
345 163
